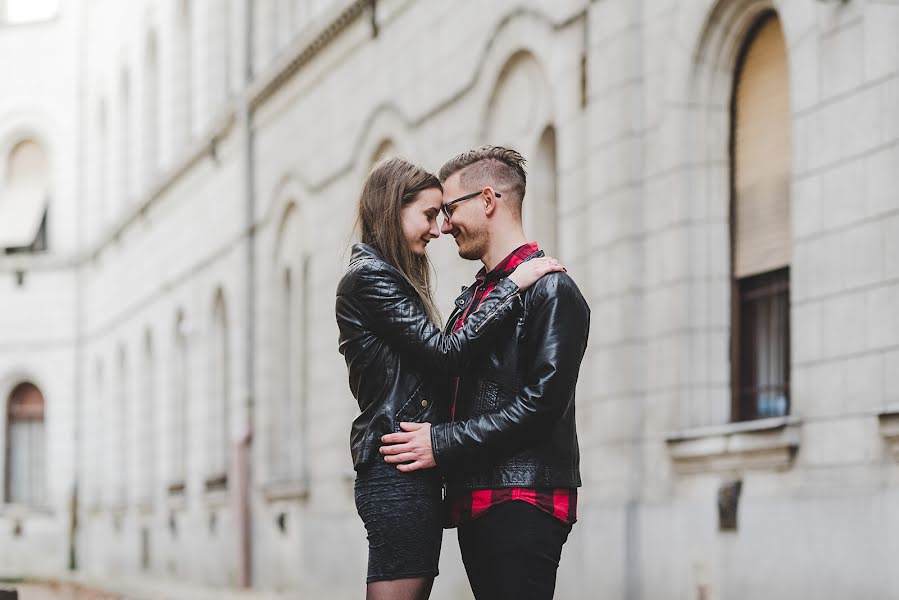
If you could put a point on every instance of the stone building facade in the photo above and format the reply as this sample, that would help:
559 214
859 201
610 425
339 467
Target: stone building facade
177 184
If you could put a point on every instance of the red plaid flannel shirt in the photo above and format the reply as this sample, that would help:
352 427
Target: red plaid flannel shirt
561 503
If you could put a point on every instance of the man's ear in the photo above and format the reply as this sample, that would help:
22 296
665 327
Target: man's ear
489 201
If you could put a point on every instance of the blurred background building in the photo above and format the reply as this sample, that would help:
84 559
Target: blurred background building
177 185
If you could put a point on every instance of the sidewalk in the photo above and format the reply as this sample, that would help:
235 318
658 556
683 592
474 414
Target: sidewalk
79 587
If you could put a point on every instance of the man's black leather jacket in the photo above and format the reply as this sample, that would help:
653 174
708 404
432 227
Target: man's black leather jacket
514 420
398 360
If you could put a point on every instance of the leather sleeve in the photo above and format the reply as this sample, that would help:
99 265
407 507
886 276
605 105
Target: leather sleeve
558 327
386 304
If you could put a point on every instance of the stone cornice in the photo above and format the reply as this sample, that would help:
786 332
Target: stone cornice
768 444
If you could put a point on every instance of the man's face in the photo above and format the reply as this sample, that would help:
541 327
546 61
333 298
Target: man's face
467 223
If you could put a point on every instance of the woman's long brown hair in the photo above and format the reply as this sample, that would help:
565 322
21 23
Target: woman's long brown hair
392 184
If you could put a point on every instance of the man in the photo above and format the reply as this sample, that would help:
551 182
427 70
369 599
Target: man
510 453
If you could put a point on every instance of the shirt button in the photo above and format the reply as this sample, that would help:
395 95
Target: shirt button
424 403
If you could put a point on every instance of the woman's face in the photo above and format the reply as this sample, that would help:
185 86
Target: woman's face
420 220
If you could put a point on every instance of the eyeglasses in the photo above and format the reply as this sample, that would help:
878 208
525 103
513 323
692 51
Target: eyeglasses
445 209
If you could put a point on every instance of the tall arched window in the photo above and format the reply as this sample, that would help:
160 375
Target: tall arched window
151 109
124 149
183 69
760 225
24 195
284 396
539 210
146 426
101 170
93 432
288 429
118 452
219 61
178 408
217 446
25 446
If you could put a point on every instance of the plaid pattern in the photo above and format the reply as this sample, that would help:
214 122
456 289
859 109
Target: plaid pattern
561 503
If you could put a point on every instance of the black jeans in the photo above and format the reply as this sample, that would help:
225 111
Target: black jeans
513 552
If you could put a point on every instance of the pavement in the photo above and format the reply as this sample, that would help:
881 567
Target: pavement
140 588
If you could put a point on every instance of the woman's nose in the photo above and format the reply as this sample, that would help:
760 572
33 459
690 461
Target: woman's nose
434 232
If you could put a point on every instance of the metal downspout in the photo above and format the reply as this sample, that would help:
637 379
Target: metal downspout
243 458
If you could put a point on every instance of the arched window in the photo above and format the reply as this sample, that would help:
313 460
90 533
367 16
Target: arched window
539 209
283 16
178 408
25 446
93 432
146 426
24 194
219 69
386 149
283 419
218 446
101 161
151 109
760 225
124 149
119 427
287 410
183 69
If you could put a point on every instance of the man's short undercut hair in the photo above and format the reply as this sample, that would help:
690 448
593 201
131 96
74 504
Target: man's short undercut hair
493 166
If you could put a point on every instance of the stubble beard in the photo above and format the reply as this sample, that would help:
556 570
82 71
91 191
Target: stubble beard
476 246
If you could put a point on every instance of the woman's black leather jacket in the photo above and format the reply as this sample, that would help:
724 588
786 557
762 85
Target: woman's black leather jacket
399 362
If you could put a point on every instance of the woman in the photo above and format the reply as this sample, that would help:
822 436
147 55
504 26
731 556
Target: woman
398 361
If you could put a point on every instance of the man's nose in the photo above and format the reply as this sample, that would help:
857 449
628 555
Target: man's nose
446 226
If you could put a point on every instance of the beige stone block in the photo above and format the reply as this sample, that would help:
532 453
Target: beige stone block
882 182
843 194
881 21
842 66
862 254
806 328
840 441
863 383
847 320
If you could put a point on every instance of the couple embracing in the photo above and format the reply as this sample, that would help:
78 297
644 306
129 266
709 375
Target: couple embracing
471 426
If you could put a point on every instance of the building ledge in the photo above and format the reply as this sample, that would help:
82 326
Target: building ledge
215 489
767 444
286 489
24 511
889 429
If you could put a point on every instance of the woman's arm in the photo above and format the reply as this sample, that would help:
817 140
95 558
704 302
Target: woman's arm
377 298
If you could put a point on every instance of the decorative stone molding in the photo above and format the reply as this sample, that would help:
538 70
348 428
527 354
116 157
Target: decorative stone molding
889 429
767 444
295 489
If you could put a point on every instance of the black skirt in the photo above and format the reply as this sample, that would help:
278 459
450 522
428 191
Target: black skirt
402 516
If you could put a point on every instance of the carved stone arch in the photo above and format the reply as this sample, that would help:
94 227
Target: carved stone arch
519 106
386 149
24 432
519 115
384 133
700 72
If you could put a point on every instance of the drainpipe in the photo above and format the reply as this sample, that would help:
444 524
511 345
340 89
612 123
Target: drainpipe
243 449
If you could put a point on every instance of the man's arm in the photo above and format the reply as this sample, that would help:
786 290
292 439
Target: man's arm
559 322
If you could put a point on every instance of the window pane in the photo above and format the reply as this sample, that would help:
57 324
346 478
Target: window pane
763 380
